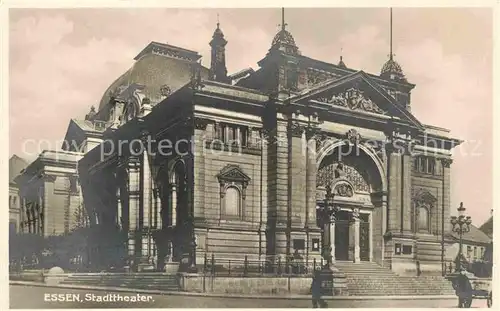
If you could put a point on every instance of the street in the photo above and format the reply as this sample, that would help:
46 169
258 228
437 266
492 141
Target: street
32 297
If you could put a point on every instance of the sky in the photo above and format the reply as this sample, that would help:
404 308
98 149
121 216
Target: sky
62 61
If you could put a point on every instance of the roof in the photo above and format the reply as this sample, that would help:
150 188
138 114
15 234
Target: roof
16 165
157 66
474 235
487 227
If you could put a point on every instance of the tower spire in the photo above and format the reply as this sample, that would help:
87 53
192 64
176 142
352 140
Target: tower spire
218 71
283 24
391 69
283 40
390 49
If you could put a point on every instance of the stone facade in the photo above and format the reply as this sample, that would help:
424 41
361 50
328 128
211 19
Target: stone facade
238 167
50 195
16 166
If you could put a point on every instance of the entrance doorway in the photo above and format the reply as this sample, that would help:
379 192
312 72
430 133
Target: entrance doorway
342 236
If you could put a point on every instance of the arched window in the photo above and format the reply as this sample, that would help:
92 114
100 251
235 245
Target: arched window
423 218
232 202
233 185
423 204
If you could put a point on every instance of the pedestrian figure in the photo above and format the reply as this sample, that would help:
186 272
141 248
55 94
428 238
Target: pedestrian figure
463 289
316 291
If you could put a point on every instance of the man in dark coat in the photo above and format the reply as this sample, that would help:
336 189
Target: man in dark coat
316 291
463 289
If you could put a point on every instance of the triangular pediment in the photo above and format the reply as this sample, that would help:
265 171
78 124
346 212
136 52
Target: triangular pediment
233 173
355 93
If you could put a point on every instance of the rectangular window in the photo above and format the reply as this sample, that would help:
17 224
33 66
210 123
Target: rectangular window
407 249
218 131
421 164
397 249
315 245
430 166
299 244
244 136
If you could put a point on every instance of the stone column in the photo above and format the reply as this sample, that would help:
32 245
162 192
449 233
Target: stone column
332 238
355 226
42 228
134 206
147 209
172 206
119 205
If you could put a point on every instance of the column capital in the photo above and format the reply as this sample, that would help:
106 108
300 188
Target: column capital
296 129
446 162
312 132
355 214
201 123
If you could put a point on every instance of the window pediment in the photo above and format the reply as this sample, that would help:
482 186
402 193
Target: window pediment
232 173
424 197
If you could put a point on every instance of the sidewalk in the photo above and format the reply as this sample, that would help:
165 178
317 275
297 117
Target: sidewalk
179 293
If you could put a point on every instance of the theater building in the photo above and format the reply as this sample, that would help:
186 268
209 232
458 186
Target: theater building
182 161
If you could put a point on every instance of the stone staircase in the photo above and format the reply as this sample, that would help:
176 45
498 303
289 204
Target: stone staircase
154 281
370 279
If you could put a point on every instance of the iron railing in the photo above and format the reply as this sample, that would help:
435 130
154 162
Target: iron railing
246 267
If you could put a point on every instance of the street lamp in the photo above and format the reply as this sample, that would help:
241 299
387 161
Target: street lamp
461 225
327 215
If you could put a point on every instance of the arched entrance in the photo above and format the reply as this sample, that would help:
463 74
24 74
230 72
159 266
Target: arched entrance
356 177
172 239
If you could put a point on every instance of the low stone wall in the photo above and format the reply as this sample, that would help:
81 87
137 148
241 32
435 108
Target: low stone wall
256 285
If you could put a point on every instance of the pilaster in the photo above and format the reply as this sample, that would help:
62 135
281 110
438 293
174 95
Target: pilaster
446 163
311 173
406 208
297 174
200 126
394 191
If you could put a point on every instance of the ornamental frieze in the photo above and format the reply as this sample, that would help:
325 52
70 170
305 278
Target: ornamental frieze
344 190
352 99
329 173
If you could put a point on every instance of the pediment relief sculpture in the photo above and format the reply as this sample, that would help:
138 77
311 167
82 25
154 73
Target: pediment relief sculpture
353 99
337 172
